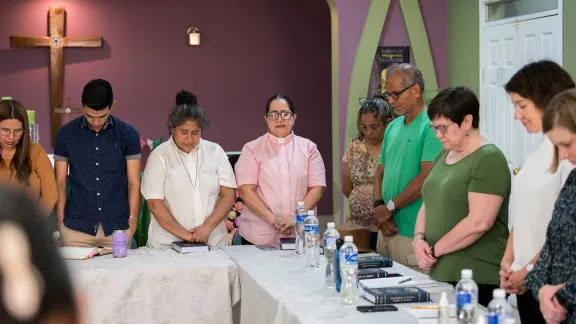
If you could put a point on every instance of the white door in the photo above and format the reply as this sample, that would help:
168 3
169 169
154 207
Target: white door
506 48
501 61
539 39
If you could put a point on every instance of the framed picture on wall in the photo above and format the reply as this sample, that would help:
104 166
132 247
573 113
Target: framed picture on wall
388 55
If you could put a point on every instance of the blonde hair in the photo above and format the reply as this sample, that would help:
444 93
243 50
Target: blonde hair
561 112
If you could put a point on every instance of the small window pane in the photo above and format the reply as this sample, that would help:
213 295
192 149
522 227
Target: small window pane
514 8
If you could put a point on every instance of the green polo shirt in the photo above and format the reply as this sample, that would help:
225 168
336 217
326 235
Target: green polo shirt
445 193
404 148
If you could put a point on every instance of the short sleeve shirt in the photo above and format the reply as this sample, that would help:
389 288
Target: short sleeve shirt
445 193
404 149
98 177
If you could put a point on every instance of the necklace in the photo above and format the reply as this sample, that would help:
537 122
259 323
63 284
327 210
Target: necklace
185 168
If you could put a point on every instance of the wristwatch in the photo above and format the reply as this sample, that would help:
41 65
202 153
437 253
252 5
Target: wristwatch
378 202
529 267
391 207
432 252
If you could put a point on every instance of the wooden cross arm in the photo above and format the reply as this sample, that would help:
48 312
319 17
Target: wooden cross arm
82 41
25 41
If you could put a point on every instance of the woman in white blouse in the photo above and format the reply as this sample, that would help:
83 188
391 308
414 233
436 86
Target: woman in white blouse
188 183
535 188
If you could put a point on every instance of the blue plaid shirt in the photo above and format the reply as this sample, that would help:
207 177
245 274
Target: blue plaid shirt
98 177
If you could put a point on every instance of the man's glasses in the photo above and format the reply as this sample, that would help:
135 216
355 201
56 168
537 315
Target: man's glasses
284 114
440 128
395 94
7 132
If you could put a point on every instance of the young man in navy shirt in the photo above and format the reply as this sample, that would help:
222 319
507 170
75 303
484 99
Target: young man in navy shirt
102 154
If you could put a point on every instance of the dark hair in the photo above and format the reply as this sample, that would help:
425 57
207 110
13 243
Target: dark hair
185 97
539 82
97 95
185 112
560 112
20 164
455 103
283 97
376 106
57 296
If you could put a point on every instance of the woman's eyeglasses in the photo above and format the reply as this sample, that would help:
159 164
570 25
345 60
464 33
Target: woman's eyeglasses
7 132
440 128
284 114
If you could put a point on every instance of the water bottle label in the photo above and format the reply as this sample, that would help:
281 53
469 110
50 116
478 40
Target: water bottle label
463 299
351 258
300 218
492 318
311 229
330 243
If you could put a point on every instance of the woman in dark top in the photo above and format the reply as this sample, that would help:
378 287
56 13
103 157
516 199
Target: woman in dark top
553 279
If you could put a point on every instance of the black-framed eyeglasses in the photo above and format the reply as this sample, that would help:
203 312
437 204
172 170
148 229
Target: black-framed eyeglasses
284 114
443 129
395 94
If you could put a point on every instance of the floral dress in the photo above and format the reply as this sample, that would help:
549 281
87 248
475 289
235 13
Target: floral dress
362 171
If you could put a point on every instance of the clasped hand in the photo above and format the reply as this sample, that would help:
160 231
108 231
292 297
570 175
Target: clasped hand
423 253
283 226
512 281
200 234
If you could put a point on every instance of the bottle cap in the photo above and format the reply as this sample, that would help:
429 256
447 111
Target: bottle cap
443 300
331 225
466 274
310 213
339 244
348 239
499 293
300 204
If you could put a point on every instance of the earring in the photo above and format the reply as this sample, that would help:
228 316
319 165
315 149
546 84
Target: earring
467 133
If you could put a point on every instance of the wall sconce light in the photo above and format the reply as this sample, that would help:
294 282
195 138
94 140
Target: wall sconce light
193 36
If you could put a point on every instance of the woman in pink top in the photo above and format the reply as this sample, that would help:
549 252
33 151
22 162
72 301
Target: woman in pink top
273 173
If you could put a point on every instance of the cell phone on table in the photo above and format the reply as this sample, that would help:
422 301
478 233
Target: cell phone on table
267 247
376 308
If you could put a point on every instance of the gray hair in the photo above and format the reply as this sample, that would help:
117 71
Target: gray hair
410 74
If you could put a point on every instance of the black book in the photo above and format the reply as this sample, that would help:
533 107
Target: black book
396 295
287 243
365 262
371 273
188 247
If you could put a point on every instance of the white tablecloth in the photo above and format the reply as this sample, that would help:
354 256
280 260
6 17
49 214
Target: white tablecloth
157 287
276 288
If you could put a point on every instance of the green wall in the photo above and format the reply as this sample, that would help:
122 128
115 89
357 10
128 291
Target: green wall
464 42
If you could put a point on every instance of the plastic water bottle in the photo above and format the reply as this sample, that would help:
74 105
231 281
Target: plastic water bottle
312 241
301 215
330 237
466 297
348 270
337 273
499 310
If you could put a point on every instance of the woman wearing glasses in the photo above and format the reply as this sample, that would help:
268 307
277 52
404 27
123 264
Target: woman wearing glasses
25 164
275 172
463 222
361 160
188 182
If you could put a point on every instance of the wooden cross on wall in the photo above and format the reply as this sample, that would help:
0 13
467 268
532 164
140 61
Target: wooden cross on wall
56 41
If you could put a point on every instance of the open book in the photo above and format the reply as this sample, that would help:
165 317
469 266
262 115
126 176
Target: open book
82 253
395 282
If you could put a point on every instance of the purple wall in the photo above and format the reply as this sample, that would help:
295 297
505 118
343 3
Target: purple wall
249 50
395 33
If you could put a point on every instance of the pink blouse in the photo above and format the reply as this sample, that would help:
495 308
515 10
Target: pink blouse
282 169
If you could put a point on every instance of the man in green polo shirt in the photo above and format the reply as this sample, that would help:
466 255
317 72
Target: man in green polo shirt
408 150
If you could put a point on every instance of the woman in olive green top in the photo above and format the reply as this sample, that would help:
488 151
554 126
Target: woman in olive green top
463 222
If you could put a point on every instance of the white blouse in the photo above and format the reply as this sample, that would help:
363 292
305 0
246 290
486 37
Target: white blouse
534 192
190 192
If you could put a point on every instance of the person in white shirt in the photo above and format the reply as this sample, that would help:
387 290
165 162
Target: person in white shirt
188 183
534 188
